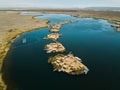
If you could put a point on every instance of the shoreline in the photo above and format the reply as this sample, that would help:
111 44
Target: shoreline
113 17
9 33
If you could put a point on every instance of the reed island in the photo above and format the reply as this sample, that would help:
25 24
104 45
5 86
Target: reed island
69 64
53 36
54 47
56 27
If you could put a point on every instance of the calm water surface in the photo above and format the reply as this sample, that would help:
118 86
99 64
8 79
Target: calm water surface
93 40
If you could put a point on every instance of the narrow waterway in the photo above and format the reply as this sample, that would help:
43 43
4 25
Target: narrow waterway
93 40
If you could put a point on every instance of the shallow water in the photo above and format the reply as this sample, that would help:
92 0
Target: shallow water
93 40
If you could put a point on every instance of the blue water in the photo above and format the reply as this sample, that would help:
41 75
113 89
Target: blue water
93 40
55 18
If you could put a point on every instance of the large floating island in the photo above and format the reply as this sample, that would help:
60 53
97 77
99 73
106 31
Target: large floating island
68 63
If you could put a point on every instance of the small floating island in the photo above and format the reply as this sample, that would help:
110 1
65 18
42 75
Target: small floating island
54 47
116 25
56 27
68 63
53 36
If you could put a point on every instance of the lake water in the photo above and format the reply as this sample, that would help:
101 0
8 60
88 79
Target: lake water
93 40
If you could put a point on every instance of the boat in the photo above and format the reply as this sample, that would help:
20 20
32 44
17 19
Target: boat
24 40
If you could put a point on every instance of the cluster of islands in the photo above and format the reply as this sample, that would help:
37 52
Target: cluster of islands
13 24
65 63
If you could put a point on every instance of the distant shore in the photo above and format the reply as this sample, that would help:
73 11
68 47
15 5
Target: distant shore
112 16
13 24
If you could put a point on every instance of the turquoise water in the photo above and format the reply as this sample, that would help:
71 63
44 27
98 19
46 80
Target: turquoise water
93 40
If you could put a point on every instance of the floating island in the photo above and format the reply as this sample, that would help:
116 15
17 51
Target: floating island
68 63
53 36
116 25
56 27
54 47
